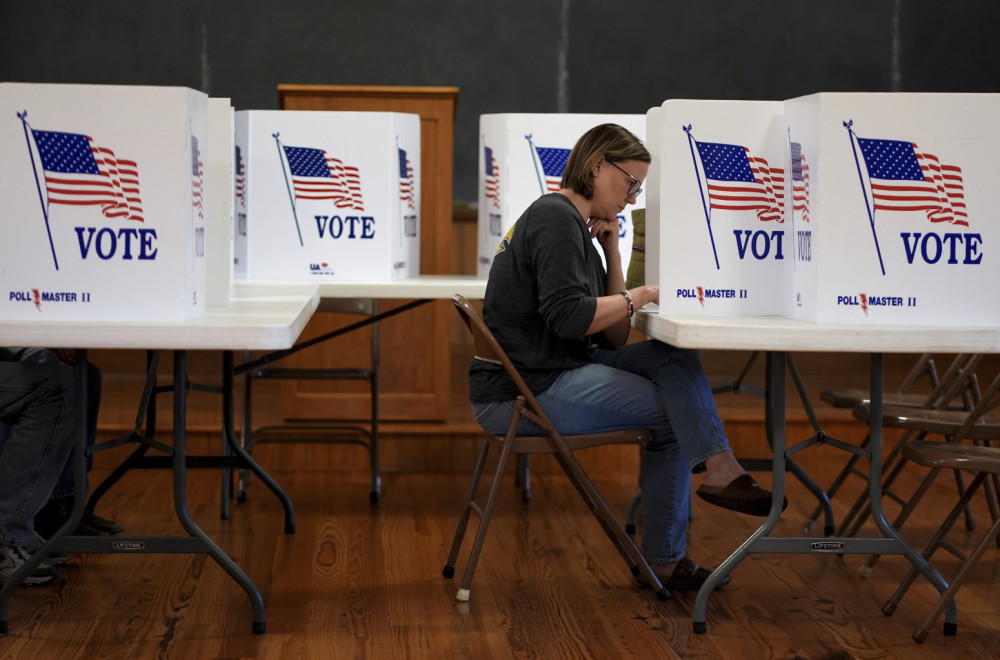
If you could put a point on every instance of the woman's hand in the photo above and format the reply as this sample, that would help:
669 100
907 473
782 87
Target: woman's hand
605 231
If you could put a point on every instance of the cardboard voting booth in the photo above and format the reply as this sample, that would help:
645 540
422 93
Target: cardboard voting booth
522 157
836 208
898 222
717 237
327 196
103 213
220 198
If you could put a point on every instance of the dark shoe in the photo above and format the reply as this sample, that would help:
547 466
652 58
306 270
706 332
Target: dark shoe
94 525
689 576
742 495
56 512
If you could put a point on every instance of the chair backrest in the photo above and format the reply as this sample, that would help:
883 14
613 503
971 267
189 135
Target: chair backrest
488 349
958 382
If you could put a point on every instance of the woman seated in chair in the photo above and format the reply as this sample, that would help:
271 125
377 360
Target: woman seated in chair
564 320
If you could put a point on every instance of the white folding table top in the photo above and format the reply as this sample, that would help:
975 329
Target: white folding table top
256 318
773 333
422 286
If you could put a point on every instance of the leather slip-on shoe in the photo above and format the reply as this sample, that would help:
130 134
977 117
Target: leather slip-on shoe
743 495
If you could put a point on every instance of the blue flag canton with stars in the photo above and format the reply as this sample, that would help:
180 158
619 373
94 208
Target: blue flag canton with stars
553 160
488 155
195 155
402 163
67 153
891 159
304 161
796 161
725 162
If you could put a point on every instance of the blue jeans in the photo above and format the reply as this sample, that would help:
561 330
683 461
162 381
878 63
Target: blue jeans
36 401
650 385
63 487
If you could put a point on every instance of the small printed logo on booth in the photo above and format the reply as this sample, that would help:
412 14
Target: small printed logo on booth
701 293
320 268
866 301
37 297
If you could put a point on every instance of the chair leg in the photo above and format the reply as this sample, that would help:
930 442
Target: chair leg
920 634
911 505
936 542
464 591
609 523
470 506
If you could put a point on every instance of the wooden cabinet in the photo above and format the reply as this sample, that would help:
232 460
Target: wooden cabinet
415 345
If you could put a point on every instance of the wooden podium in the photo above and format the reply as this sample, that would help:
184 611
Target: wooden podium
415 346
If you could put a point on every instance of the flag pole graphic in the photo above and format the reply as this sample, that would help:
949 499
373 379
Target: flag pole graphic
23 116
871 216
708 215
291 197
534 161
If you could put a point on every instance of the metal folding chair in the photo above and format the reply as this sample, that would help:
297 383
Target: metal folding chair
849 398
562 447
940 418
948 389
366 436
983 429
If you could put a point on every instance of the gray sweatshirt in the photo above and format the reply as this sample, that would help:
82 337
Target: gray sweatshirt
540 299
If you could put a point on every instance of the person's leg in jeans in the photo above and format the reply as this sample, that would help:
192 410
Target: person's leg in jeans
684 394
596 397
36 400
59 506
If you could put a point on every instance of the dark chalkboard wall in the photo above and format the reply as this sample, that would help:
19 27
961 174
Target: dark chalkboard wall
510 56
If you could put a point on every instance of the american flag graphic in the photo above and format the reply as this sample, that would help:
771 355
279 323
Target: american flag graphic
81 173
197 178
902 178
740 181
317 176
492 181
800 182
553 162
406 192
241 178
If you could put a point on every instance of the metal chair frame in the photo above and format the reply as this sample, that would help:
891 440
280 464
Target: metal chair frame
983 459
366 436
562 447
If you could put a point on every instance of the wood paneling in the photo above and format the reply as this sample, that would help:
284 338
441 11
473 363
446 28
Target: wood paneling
415 346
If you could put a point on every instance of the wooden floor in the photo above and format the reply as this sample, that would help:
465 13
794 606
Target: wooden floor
358 580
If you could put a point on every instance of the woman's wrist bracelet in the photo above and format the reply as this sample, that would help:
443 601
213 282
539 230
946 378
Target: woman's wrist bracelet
628 299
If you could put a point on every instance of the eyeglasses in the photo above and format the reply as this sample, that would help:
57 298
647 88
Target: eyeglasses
635 187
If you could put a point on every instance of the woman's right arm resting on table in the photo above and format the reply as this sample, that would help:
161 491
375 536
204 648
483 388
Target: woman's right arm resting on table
612 317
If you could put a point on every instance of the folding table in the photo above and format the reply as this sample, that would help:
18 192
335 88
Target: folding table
779 336
258 317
